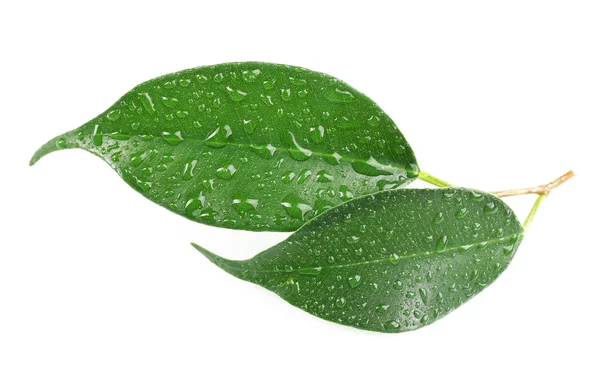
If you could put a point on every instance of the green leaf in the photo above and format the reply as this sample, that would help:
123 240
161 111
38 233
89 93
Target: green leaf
253 146
389 262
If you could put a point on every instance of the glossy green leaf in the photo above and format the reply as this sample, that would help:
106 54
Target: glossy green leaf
390 262
249 145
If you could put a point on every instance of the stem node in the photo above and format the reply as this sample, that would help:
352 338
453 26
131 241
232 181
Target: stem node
544 189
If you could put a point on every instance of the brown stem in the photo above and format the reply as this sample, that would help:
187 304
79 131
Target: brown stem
539 190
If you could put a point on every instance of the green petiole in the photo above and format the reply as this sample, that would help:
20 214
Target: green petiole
433 180
533 210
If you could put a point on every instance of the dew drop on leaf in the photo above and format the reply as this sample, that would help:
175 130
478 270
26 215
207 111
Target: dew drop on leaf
226 172
441 244
354 280
297 152
295 207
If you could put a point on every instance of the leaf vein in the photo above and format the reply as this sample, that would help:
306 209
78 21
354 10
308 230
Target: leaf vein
233 266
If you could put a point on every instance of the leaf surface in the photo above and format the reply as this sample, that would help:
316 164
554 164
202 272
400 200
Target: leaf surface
253 146
389 262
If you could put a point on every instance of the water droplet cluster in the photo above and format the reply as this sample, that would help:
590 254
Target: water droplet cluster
200 140
394 261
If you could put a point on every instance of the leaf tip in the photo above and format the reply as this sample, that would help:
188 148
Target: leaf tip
214 258
53 145
36 157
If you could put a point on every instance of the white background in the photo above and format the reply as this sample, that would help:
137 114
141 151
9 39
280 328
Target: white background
100 287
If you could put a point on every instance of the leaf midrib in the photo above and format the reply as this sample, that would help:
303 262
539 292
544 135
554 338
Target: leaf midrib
341 266
256 146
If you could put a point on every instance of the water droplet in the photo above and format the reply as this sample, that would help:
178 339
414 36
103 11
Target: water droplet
188 170
305 174
476 195
250 125
208 215
391 325
236 95
350 122
145 185
97 137
295 207
352 239
169 101
193 206
339 95
172 138
268 100
340 302
412 170
269 83
61 143
381 308
449 193
372 167
219 137
324 177
385 185
473 275
169 84
264 151
322 206
119 136
374 121
244 204
333 159
309 270
227 172
345 193
442 244
297 152
288 177
490 208
286 94
114 115
397 284
461 213
250 75
394 259
354 281
439 218
147 103
464 248
297 81
137 159
423 294
317 135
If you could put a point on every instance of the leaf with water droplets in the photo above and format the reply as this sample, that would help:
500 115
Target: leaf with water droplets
389 262
289 141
